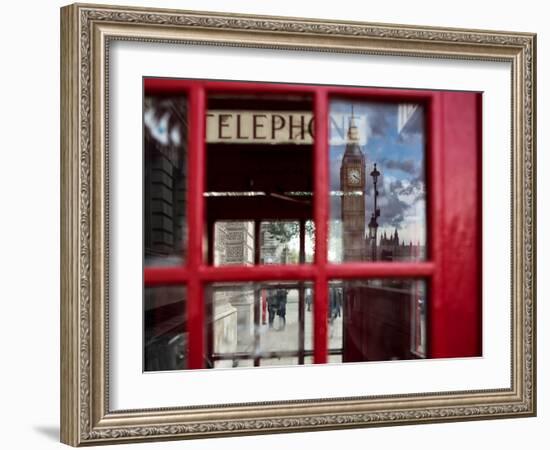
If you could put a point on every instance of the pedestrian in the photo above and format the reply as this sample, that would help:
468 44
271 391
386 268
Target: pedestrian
332 304
281 306
339 301
308 299
272 305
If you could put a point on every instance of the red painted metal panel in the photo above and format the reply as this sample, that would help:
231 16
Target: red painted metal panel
170 85
195 213
274 272
161 85
380 94
156 276
361 270
321 214
455 314
435 210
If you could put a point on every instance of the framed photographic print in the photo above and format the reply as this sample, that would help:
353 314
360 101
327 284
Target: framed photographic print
276 224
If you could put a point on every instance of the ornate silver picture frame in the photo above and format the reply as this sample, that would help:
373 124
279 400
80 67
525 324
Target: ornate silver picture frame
87 34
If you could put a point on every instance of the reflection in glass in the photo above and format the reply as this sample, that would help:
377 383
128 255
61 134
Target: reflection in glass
165 338
259 322
234 243
280 242
335 317
272 323
377 182
383 319
259 166
165 167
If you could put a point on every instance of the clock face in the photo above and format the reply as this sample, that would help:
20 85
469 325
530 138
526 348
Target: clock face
354 176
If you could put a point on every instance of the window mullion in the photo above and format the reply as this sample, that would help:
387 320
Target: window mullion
380 269
435 196
197 164
321 205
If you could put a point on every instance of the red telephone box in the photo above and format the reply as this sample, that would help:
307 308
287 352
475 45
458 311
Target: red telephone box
261 153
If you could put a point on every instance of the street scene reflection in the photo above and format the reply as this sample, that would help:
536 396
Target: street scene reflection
384 319
261 323
377 182
164 328
258 195
164 180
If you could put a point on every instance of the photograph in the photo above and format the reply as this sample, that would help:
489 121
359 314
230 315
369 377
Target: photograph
259 202
285 224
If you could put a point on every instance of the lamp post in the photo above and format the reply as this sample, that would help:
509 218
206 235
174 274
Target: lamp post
373 224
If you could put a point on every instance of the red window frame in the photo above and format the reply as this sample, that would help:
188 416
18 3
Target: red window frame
453 180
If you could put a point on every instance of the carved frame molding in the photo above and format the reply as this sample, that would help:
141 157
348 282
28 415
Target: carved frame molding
86 32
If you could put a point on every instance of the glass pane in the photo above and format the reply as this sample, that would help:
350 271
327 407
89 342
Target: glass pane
280 242
259 169
165 337
382 320
283 322
377 182
164 180
233 243
258 322
334 319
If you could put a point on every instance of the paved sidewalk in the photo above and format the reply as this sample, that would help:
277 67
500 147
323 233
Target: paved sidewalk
286 339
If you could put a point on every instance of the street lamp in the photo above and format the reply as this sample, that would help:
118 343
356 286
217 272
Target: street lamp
373 227
373 224
375 174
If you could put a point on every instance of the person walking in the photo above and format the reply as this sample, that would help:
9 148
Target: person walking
339 301
281 306
309 299
272 305
332 304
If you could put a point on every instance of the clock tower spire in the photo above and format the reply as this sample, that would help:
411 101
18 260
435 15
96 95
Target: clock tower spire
352 185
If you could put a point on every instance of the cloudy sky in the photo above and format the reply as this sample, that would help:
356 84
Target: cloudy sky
400 160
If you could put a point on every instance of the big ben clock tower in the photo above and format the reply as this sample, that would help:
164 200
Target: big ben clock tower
352 185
